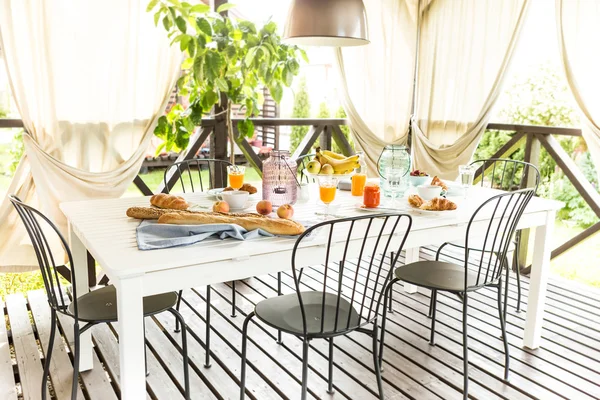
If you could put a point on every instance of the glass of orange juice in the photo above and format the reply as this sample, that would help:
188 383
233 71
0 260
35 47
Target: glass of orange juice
358 184
235 173
327 189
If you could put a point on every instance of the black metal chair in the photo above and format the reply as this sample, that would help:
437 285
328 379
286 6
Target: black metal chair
340 307
95 307
497 220
508 175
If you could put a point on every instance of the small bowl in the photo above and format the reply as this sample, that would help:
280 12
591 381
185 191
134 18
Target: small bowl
428 192
419 180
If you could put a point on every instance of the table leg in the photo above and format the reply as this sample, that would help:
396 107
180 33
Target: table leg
540 268
81 284
412 255
131 337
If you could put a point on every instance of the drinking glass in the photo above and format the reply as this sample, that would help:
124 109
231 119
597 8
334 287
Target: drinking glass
327 189
466 174
394 178
235 173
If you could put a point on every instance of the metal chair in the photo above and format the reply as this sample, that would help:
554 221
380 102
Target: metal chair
508 175
95 307
340 307
488 235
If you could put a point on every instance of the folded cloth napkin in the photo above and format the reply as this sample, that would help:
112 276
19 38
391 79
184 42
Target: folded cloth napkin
152 235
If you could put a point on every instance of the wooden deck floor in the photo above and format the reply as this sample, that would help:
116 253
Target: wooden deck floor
567 365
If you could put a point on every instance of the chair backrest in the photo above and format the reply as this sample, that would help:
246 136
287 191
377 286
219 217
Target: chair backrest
348 262
506 174
37 225
489 233
301 162
194 175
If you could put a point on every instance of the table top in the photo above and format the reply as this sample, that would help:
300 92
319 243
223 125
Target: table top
110 236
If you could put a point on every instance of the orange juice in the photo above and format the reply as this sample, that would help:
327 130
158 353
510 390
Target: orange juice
358 184
327 193
236 180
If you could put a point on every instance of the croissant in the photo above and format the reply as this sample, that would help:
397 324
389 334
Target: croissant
163 200
246 187
438 182
438 204
415 200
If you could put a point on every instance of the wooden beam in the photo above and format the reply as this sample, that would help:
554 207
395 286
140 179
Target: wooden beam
11 123
545 130
580 237
141 185
505 151
325 138
248 151
307 142
283 121
341 141
532 156
572 171
194 145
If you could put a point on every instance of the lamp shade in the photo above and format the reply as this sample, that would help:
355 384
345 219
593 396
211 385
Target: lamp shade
327 23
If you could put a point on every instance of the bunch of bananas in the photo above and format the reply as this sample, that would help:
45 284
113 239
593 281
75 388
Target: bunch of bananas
329 162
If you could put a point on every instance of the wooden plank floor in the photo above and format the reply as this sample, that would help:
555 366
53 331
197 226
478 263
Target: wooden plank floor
567 365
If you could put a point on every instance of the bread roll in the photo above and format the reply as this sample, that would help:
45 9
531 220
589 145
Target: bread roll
415 200
250 223
150 212
170 201
438 204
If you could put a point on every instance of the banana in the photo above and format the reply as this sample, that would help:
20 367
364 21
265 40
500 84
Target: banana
333 154
340 166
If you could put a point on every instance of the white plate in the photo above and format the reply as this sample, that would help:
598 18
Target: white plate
305 172
214 192
430 212
379 209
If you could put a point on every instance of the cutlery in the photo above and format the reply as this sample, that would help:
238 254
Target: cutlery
329 215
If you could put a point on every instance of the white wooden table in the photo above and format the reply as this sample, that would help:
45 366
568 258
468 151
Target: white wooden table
102 228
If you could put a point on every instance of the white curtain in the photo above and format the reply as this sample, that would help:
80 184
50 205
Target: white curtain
465 49
90 79
578 23
376 79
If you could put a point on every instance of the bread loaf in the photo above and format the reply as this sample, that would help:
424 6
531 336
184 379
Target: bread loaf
249 222
170 201
155 213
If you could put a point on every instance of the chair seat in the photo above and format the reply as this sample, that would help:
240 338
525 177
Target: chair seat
438 275
101 305
283 313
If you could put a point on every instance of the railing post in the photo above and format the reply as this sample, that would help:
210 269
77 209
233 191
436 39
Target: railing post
325 139
532 156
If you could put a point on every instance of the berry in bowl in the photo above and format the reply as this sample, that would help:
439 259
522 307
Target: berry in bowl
418 178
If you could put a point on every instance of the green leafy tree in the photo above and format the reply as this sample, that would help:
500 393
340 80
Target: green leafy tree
324 111
301 110
227 61
341 113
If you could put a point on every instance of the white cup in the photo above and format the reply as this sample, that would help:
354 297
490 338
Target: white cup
428 192
304 192
236 199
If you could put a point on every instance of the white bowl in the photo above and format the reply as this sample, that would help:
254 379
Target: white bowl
428 192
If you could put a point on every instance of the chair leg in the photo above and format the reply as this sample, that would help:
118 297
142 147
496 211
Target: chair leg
391 309
233 314
330 389
376 362
146 350
432 300
207 354
305 347
75 382
279 338
179 295
433 312
243 369
518 271
465 350
386 297
48 356
184 348
505 307
503 327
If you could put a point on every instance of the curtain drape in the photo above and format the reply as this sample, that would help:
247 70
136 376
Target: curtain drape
376 79
578 23
89 79
465 49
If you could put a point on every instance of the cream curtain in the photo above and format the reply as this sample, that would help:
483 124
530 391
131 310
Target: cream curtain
578 23
89 79
376 79
466 46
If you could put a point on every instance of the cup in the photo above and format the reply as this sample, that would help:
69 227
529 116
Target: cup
236 199
304 192
428 192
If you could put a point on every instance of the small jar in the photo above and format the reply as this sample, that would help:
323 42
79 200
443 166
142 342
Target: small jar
371 195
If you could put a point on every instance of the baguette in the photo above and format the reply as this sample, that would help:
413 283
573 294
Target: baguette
169 201
155 213
250 223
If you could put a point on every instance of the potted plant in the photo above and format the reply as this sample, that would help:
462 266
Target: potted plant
227 61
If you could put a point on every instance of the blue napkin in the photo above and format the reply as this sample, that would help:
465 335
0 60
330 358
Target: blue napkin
152 235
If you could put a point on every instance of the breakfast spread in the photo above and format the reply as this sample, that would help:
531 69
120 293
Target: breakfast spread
436 204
